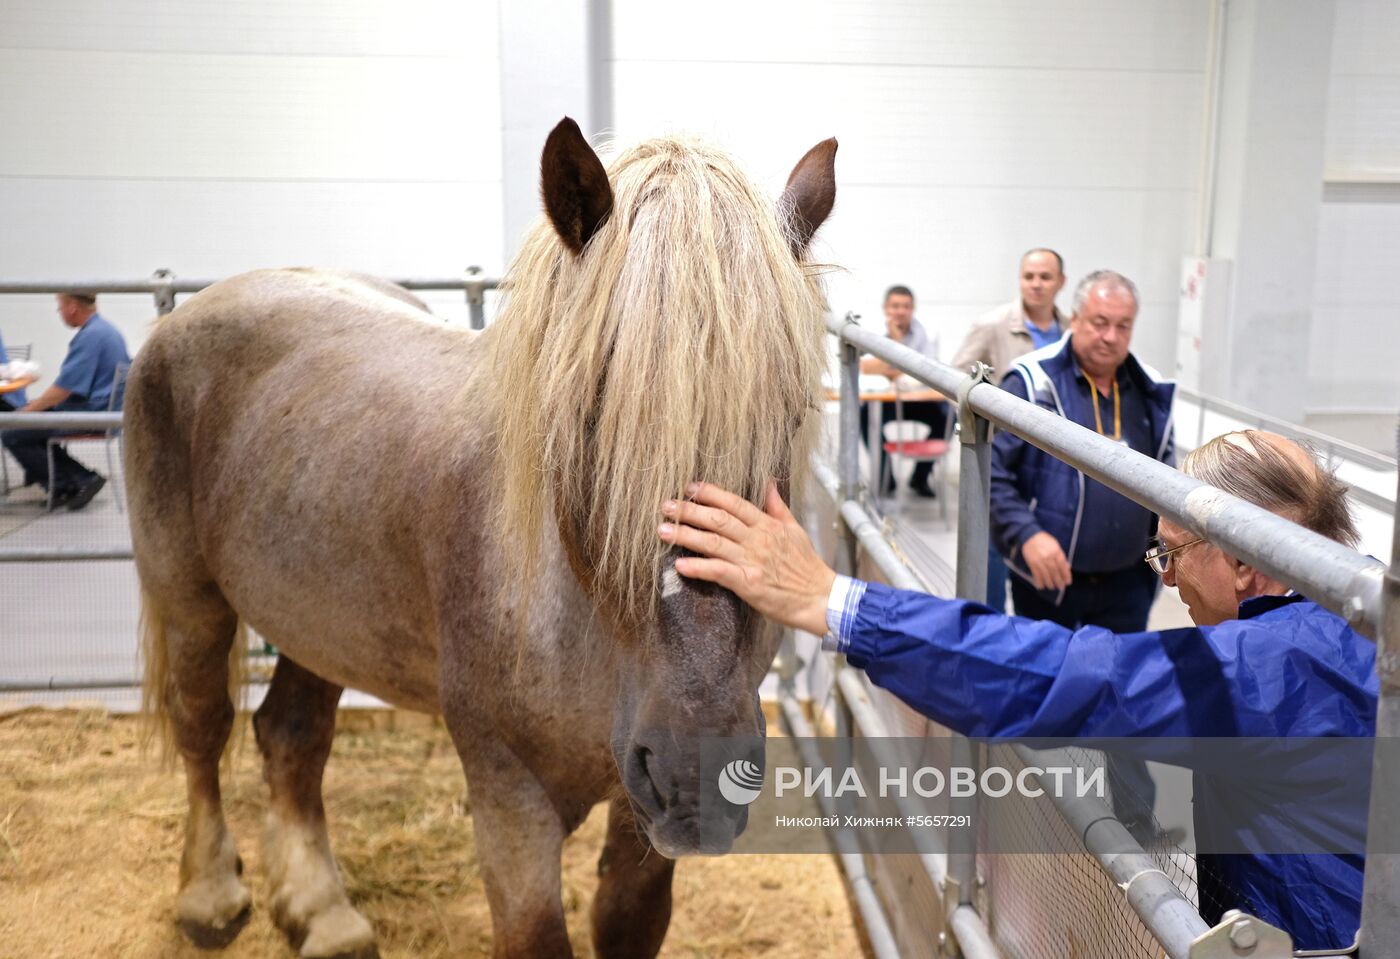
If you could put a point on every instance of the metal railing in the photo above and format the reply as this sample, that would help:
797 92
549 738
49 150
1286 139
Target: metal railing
163 285
1359 588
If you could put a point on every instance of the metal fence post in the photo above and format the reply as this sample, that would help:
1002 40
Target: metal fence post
848 452
476 298
163 288
1380 906
847 553
974 492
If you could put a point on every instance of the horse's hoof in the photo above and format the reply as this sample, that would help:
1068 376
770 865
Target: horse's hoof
339 933
210 936
211 913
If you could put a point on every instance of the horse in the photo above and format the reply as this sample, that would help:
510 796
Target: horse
464 523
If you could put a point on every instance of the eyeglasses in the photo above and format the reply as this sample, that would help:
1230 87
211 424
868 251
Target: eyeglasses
1160 558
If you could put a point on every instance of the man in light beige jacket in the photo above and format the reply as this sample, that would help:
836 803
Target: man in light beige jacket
1001 337
1005 334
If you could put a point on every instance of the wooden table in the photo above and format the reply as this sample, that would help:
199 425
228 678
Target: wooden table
14 386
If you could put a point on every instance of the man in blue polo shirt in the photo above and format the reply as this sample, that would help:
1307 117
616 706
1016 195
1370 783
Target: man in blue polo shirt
84 384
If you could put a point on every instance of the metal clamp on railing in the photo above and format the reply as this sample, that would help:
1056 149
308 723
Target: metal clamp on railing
972 429
1240 935
476 297
163 288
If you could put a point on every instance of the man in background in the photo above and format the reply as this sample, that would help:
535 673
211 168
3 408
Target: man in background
1005 334
901 327
84 383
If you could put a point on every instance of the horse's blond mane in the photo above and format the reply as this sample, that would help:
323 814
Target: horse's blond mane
684 343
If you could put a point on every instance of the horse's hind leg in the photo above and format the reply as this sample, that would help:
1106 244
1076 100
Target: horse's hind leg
295 726
633 906
213 905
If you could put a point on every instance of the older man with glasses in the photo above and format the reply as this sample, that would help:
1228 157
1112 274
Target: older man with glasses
1262 663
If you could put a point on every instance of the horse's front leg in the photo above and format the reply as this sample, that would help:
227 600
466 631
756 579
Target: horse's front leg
295 726
633 905
519 836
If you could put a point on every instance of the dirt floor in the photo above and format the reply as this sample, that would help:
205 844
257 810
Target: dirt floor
90 834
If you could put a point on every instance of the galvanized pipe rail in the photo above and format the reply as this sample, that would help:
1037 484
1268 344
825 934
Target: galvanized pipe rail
94 422
163 285
1168 915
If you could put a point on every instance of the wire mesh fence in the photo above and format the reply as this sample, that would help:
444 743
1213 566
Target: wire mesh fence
70 623
1048 906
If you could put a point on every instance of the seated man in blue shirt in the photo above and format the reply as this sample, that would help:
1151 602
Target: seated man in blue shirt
84 384
1262 662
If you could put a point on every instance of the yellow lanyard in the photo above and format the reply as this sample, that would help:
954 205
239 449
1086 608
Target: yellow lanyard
1117 411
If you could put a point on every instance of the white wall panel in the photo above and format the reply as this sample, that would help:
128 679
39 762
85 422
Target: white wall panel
969 133
1363 125
216 137
443 28
1364 38
1355 355
924 126
1097 35
124 230
247 117
1354 360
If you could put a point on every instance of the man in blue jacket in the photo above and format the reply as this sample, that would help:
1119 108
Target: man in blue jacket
1073 545
85 383
1262 662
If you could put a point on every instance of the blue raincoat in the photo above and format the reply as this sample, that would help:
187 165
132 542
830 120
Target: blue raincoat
1285 668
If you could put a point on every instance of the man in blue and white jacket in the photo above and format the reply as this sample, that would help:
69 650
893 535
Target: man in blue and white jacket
1074 545
1262 663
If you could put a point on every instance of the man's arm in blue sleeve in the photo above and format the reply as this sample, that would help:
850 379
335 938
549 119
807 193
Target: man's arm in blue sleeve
79 368
986 674
1011 519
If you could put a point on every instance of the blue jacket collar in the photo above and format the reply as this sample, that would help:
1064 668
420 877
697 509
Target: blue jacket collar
1258 605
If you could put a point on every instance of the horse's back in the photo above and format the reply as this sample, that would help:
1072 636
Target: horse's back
281 442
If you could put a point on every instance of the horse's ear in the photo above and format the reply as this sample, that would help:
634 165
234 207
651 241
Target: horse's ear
574 185
810 193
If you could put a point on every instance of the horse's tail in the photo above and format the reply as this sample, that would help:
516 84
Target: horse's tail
156 689
155 683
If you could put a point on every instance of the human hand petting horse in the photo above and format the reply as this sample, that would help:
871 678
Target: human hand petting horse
762 556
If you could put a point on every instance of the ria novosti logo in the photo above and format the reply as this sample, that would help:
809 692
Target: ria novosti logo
740 782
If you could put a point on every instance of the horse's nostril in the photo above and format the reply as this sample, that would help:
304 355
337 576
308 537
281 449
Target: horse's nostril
644 760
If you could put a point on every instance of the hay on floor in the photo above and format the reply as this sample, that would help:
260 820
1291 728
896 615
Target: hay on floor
90 834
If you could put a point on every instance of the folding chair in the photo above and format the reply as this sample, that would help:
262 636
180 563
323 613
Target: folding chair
912 441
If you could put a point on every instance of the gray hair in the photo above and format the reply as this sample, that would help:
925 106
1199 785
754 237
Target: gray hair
1260 468
1105 278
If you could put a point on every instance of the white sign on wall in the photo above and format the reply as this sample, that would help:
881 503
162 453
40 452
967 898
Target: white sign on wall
1204 301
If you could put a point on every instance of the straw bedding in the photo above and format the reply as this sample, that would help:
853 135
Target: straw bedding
90 833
